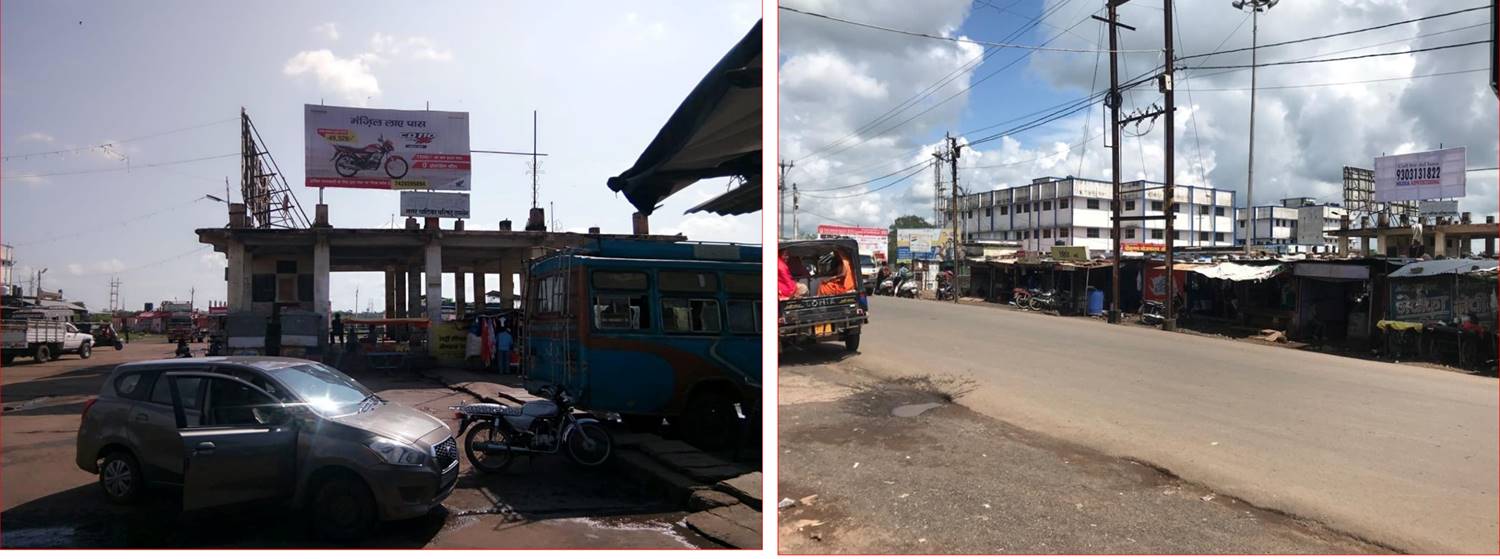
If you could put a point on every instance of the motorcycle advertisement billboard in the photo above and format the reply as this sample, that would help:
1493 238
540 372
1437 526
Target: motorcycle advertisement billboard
1428 175
386 149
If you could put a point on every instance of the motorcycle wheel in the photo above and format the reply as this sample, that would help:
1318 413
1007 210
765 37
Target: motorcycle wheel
345 165
590 445
119 346
1035 305
487 462
393 163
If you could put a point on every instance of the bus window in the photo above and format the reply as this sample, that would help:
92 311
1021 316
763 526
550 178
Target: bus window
742 284
690 316
620 311
688 282
550 296
744 317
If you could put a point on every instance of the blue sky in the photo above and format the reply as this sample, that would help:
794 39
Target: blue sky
1311 120
604 76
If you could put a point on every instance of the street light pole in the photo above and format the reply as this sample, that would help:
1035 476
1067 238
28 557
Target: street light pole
1256 7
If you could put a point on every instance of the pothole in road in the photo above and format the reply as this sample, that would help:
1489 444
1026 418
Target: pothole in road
913 410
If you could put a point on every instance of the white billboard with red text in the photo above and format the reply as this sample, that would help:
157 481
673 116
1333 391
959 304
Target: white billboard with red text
385 149
871 240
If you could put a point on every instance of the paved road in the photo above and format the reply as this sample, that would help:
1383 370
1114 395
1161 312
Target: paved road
1403 456
48 502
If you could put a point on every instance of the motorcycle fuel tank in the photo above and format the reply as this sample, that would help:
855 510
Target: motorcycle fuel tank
539 408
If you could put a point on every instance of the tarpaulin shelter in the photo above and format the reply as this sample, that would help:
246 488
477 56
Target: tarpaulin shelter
716 132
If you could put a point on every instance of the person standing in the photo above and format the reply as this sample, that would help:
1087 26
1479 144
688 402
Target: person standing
504 342
273 333
338 329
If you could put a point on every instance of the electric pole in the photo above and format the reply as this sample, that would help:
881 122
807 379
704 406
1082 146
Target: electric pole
1256 7
796 204
953 149
114 294
1113 102
1169 323
781 195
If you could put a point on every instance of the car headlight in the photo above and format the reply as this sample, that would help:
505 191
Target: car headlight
393 452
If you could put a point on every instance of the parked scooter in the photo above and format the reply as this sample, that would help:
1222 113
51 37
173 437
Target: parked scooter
1153 312
887 287
907 288
496 433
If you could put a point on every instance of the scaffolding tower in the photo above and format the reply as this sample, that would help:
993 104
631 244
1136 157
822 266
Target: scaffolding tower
268 198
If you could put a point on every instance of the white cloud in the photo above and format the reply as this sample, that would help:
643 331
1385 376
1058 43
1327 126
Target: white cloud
75 269
213 260
415 47
39 137
109 266
349 78
329 30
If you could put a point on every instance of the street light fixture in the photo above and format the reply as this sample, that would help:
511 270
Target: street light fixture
1256 7
215 198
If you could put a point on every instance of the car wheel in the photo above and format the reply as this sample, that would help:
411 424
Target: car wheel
85 350
43 354
343 509
851 341
120 477
119 346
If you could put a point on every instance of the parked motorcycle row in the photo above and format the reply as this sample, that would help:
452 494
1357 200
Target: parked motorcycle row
1034 299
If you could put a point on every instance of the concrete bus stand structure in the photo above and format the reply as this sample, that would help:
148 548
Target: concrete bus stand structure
289 268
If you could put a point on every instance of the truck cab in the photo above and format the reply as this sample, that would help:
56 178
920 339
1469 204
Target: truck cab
823 300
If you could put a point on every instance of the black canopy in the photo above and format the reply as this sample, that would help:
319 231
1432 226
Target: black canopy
716 132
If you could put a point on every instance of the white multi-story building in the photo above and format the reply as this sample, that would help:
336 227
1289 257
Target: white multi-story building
1295 225
1075 212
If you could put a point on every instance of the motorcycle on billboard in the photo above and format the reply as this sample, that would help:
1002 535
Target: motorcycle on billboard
351 147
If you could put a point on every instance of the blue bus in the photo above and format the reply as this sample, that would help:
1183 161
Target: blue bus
651 330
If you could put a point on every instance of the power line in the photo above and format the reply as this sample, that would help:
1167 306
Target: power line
932 88
893 173
95 230
900 180
148 264
1330 84
149 165
1339 34
111 144
1339 59
1042 47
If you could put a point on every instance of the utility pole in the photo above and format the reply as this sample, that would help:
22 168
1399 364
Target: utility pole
114 294
781 195
796 204
953 149
1113 102
1256 7
1170 322
939 207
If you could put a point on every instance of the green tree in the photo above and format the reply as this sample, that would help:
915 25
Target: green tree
910 222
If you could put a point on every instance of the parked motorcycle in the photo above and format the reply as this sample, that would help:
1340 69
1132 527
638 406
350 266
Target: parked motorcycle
1153 312
1045 300
1020 298
495 433
907 288
349 160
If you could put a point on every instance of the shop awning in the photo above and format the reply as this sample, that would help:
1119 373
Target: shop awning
740 200
716 132
1331 271
1440 267
1233 271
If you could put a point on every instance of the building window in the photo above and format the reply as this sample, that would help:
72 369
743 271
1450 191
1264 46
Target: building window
1023 208
1177 235
1003 208
1093 203
1047 233
1129 205
1062 204
1202 210
1219 211
1176 208
1203 236
1036 206
1219 237
1241 223
1047 206
989 212
1156 206
1093 232
1156 234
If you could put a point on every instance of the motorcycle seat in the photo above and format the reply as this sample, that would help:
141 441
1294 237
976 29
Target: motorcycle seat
490 409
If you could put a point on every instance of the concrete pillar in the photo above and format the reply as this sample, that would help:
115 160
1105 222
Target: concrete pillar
321 268
460 299
238 276
1439 243
414 292
505 225
320 216
640 224
508 266
390 292
434 266
1384 243
400 288
479 297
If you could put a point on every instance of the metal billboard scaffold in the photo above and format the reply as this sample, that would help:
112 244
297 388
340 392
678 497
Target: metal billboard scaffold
1364 211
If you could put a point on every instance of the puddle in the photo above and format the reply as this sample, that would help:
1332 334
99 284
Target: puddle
41 537
913 410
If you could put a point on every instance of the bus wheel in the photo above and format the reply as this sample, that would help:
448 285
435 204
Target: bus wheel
709 422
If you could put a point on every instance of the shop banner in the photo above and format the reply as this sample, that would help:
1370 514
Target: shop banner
350 147
449 339
435 204
1428 175
871 240
1156 283
1422 299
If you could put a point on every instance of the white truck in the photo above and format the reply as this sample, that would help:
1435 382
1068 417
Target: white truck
42 340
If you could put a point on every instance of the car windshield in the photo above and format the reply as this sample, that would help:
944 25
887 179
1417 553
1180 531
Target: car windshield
866 261
324 388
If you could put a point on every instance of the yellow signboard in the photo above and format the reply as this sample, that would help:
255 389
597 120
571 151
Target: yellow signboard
449 340
1070 253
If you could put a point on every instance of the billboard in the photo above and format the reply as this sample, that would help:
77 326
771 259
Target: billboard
435 204
871 240
1438 208
920 244
350 147
1428 175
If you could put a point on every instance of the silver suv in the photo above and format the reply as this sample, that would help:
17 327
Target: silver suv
230 430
